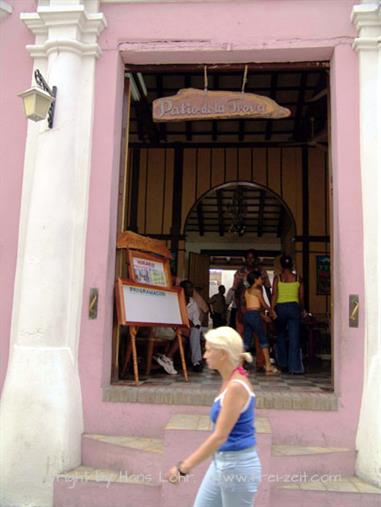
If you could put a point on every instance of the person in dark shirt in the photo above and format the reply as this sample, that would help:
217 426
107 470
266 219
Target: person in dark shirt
219 307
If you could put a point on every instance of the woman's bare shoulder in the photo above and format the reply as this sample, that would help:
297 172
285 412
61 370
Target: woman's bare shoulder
241 378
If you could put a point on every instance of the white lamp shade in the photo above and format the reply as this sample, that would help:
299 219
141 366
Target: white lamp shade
36 103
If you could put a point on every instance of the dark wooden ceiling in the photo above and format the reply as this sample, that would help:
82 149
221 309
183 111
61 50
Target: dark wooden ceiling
236 210
303 89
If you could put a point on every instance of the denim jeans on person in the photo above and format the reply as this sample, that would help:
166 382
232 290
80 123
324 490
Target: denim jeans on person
231 480
288 324
253 324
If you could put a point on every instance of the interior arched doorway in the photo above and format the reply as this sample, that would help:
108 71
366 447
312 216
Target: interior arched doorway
229 219
223 224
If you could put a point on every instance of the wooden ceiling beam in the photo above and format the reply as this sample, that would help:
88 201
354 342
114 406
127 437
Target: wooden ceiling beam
260 68
273 90
241 130
220 133
250 89
280 223
220 208
143 113
200 218
159 90
139 123
300 105
261 213
188 124
214 122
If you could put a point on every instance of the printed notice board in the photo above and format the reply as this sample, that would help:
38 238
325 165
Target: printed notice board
149 269
149 305
323 275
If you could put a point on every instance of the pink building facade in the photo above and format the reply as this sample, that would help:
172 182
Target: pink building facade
59 197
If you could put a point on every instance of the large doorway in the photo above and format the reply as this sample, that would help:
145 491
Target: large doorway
213 189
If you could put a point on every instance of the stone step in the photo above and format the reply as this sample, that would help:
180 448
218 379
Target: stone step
188 395
293 459
124 454
327 491
184 433
98 487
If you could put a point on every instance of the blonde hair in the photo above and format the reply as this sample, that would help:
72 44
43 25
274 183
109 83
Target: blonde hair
227 339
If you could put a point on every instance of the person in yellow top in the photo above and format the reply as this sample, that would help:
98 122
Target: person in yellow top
252 318
287 302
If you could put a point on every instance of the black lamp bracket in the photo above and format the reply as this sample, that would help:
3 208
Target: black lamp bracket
52 92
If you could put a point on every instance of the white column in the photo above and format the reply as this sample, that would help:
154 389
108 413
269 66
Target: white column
5 9
367 18
41 407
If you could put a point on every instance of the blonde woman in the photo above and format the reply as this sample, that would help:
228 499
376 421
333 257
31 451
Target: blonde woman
233 476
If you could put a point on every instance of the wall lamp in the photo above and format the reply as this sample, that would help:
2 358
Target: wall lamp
40 100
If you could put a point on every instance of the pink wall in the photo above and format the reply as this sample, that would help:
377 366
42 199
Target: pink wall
15 76
265 30
259 31
347 222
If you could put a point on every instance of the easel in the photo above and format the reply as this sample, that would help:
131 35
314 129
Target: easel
132 350
141 250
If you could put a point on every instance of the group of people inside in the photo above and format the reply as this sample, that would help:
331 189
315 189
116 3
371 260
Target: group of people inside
249 314
285 307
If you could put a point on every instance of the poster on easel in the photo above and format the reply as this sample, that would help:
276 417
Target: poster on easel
147 298
149 269
148 305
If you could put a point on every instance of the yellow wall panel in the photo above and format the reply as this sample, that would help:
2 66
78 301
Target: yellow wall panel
291 183
274 170
298 260
298 188
189 183
316 190
320 248
142 191
155 191
231 164
167 221
218 164
129 190
259 166
203 171
208 172
328 196
245 164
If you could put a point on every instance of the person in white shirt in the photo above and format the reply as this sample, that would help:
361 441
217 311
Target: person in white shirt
195 323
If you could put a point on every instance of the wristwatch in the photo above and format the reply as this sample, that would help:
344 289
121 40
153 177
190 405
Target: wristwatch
183 474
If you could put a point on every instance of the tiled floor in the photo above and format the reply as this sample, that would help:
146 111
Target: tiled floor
312 382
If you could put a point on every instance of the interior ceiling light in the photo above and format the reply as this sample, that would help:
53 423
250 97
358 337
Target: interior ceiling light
142 83
237 209
134 89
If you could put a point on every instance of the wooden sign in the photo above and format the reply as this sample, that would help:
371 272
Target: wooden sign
149 269
147 305
192 104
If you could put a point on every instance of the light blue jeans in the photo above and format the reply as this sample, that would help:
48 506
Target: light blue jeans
231 480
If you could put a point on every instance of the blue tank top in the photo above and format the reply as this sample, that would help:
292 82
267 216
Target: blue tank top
242 436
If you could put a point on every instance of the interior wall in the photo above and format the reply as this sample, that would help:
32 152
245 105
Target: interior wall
280 169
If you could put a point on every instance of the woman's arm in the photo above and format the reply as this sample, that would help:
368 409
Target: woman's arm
275 293
262 301
301 294
266 283
234 400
